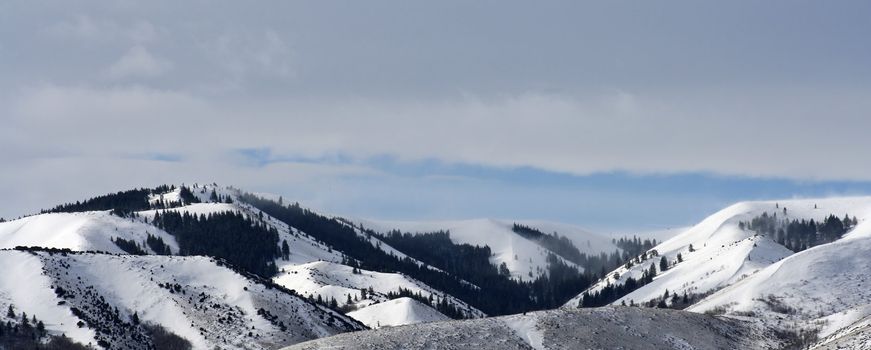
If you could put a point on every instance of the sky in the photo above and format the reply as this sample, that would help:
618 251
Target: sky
612 115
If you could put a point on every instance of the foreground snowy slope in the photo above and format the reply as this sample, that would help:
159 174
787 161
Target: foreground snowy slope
603 328
92 298
523 257
722 252
824 289
396 312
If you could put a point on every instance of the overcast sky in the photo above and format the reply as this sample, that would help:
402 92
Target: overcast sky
610 115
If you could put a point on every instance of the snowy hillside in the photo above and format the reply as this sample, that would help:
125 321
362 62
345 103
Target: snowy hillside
92 298
825 288
722 252
603 328
396 312
336 281
78 231
523 257
312 268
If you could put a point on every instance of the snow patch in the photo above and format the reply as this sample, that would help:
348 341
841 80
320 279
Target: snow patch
526 328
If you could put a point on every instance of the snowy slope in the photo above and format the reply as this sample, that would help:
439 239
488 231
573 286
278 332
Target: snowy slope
660 235
199 300
723 253
78 231
396 312
824 288
303 271
522 256
313 269
332 280
601 328
24 285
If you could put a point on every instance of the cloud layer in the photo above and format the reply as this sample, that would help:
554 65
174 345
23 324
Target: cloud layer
99 96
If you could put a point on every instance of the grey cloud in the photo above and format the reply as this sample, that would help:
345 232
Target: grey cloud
748 133
138 62
775 89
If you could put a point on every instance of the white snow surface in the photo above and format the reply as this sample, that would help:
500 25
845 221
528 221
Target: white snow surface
27 289
332 280
313 268
396 312
526 327
79 231
522 256
723 253
305 271
212 305
166 197
827 287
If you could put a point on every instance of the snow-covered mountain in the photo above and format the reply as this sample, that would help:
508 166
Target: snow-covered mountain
362 287
186 259
113 227
722 252
748 273
824 289
78 231
396 312
523 257
92 298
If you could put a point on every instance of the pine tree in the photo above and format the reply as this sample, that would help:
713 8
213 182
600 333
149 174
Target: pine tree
285 250
11 312
503 269
135 318
663 264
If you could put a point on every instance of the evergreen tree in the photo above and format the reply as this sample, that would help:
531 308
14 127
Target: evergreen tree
503 269
11 312
213 197
285 250
663 264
